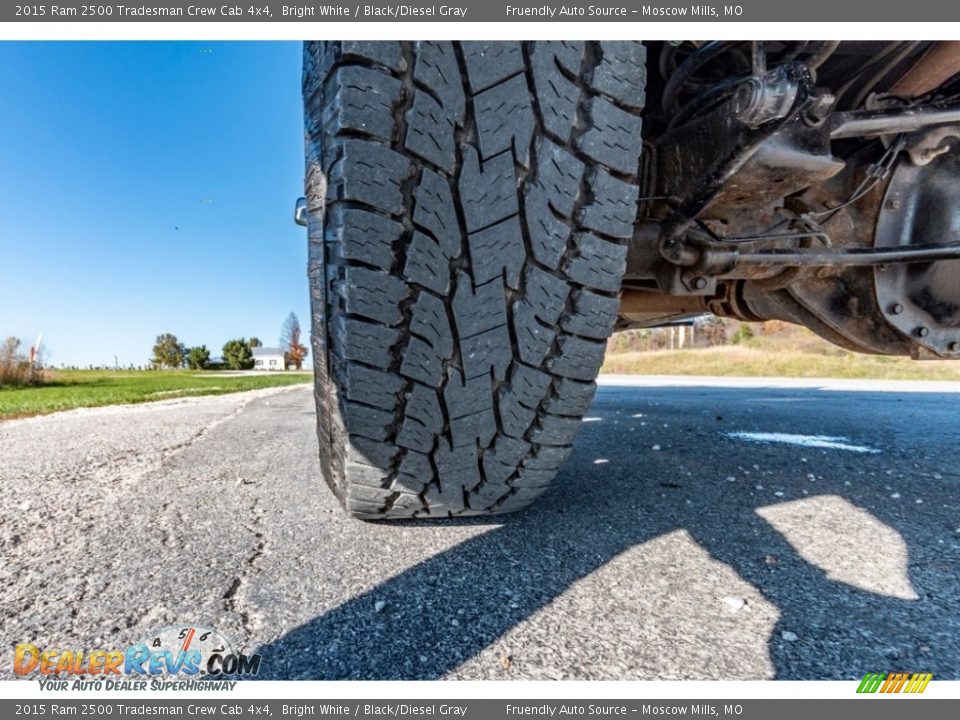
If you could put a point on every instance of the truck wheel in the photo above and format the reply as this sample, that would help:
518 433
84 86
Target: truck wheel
469 206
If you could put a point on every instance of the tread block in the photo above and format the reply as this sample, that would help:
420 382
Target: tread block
320 57
426 265
521 497
388 54
622 72
370 173
555 190
593 315
408 504
458 467
422 420
367 421
519 401
577 358
421 362
546 293
529 385
490 195
363 508
548 234
430 132
436 68
548 457
366 475
501 460
365 489
555 430
434 210
515 419
569 54
613 207
373 387
469 404
529 478
429 321
414 473
365 451
361 235
597 263
533 339
559 173
490 350
498 251
478 309
557 97
570 397
372 294
355 339
362 101
505 119
488 494
489 63
613 137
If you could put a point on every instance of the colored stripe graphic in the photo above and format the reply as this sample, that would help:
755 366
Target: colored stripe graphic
894 683
870 683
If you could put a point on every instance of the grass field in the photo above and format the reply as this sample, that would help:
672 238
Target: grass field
747 361
65 390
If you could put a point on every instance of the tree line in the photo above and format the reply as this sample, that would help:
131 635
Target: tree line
169 352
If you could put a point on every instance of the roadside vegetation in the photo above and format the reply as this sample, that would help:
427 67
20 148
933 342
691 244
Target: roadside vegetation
69 389
772 349
29 386
18 368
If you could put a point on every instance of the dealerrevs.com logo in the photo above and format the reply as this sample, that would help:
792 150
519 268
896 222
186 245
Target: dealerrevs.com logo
174 658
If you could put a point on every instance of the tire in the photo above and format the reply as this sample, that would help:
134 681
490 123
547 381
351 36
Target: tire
469 208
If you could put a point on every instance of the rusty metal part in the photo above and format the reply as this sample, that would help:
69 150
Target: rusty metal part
644 302
648 308
841 310
922 301
937 65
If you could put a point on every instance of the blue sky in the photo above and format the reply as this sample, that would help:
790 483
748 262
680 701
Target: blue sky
146 188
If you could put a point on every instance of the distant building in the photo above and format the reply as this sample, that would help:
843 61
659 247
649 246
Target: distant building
265 358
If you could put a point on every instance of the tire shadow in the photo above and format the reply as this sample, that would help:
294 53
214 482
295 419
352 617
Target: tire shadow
448 608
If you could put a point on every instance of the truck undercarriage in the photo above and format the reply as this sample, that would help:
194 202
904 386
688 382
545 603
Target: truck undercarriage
808 182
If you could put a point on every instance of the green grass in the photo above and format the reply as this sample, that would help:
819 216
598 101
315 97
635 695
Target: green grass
65 390
746 361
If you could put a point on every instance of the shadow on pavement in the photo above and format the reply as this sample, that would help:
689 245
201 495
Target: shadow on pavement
446 609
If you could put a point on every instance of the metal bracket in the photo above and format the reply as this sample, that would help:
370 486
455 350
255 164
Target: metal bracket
924 147
300 212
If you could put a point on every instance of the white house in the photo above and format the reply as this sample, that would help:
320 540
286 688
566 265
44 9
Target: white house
265 358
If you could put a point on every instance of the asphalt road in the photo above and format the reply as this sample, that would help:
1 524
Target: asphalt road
670 547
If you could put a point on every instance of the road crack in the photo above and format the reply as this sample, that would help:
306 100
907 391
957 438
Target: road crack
235 597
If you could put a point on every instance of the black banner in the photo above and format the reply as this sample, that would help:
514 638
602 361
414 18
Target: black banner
875 708
617 11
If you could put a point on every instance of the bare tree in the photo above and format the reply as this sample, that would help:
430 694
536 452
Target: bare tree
294 351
